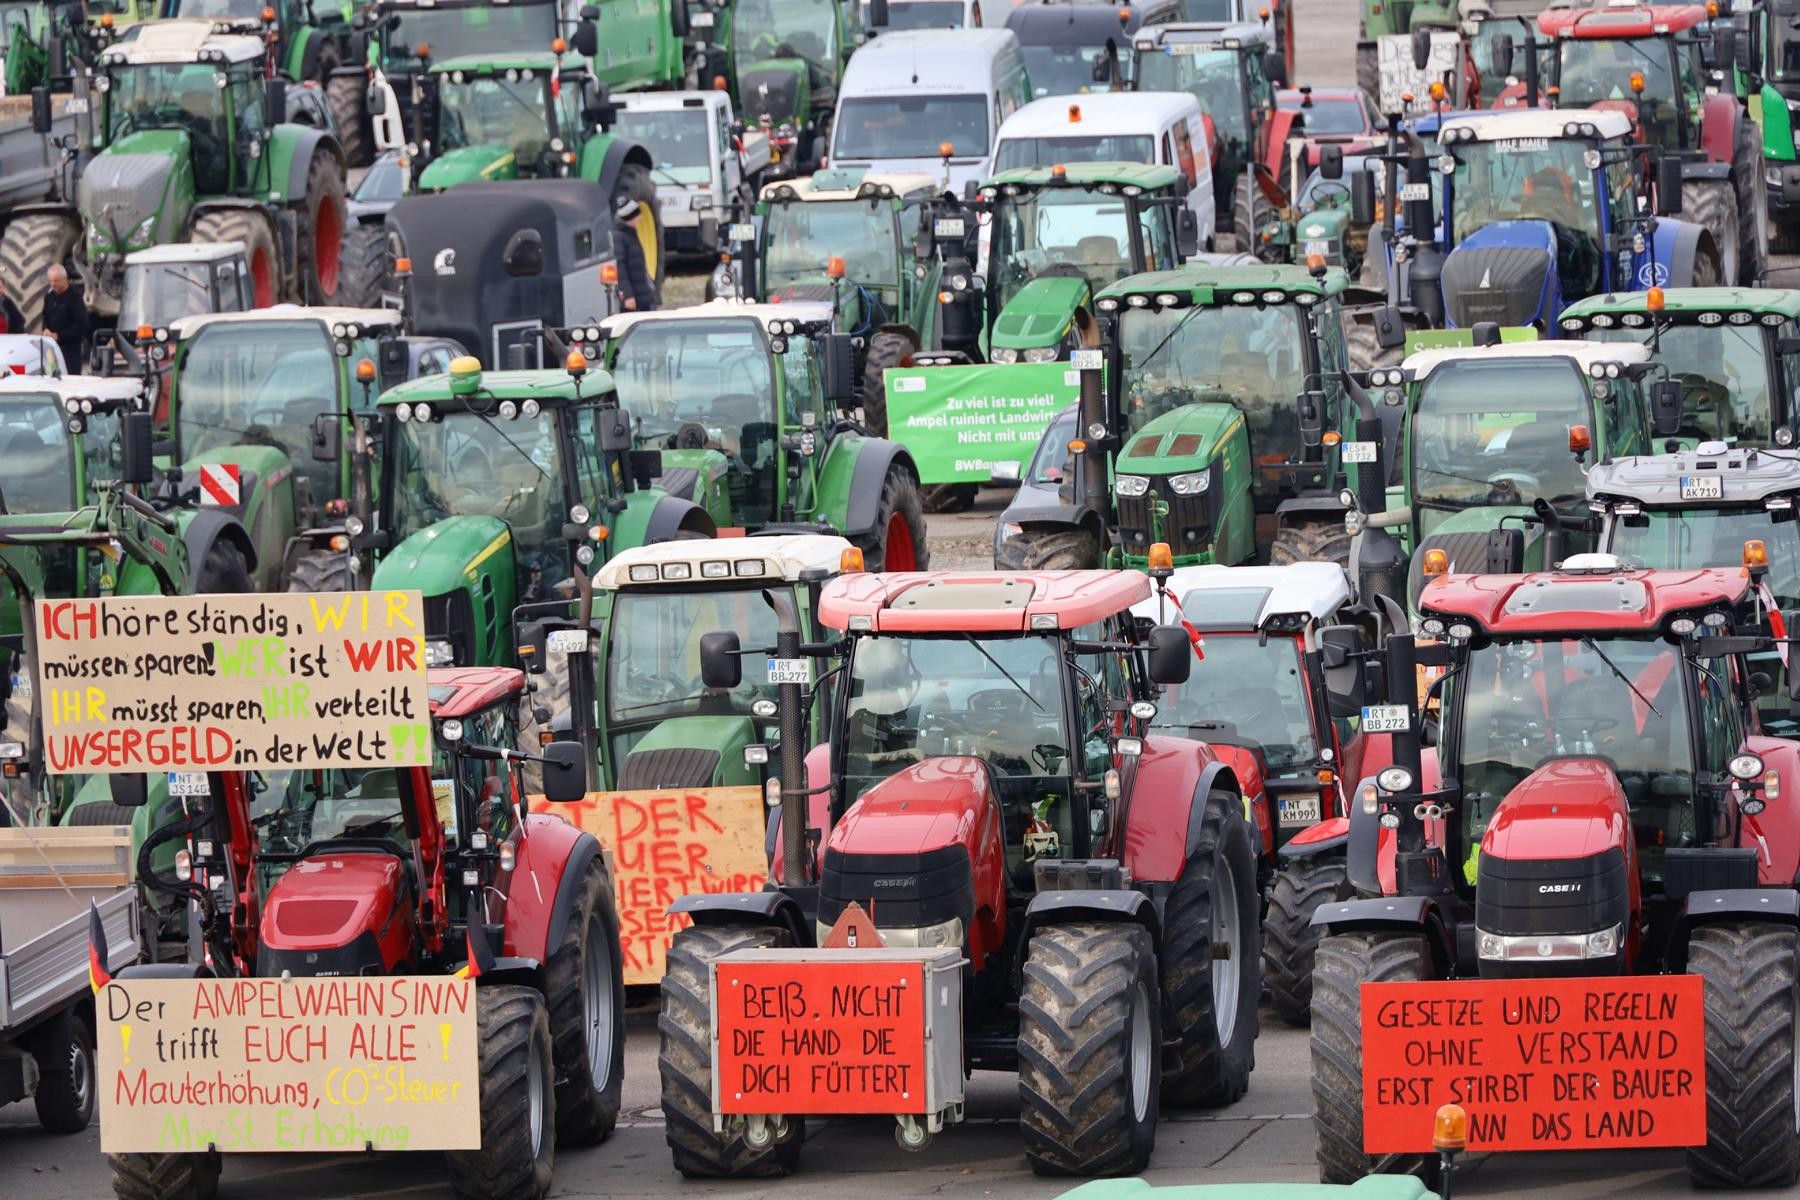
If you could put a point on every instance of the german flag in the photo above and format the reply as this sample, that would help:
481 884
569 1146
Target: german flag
481 958
98 975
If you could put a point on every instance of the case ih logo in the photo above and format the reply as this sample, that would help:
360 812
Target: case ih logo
1546 888
445 262
219 486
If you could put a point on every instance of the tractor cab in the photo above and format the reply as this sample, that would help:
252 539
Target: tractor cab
1074 48
166 283
787 61
1735 351
867 221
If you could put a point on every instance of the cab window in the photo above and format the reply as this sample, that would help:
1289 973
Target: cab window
1184 153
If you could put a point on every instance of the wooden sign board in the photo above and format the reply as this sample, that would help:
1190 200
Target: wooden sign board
670 844
264 1065
140 684
1540 1064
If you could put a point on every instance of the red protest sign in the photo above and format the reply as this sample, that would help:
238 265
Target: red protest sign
842 1035
1540 1064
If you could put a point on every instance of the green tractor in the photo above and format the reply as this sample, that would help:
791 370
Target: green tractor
29 31
747 406
1224 401
787 61
192 147
496 486
1736 352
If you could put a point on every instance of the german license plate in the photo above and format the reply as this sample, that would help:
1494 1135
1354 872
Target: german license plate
1702 487
567 641
1415 191
742 231
188 783
1300 810
947 227
1385 718
1321 248
789 670
1358 452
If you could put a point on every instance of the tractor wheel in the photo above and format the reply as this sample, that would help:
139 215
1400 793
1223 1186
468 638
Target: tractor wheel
1311 541
1366 351
518 1101
685 1060
1368 70
584 986
1090 1050
635 181
898 543
322 234
346 96
1290 939
364 266
1345 962
101 814
32 244
1049 550
1712 204
1751 1025
68 1075
887 348
1752 204
223 572
322 571
165 1176
1210 960
242 225
1249 208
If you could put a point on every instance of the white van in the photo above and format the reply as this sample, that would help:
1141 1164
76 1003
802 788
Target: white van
1145 127
909 95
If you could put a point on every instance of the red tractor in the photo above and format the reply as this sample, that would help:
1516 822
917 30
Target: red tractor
1605 812
991 790
393 884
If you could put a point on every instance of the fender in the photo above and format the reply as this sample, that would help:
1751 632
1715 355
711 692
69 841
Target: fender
1674 248
747 908
1099 907
1165 803
164 971
303 53
1328 836
1428 915
553 853
1286 511
1776 905
868 474
1720 115
290 152
208 527
605 157
672 516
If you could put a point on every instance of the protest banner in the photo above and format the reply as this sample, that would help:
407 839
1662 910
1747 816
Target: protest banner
272 1065
1540 1064
185 684
959 422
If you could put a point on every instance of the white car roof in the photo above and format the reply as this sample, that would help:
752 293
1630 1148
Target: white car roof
184 252
181 41
784 556
113 387
32 350
1424 362
1317 588
1102 114
926 62
1508 124
368 318
806 311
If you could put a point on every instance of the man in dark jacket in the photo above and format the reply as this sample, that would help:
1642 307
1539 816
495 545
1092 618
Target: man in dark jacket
10 315
66 316
637 291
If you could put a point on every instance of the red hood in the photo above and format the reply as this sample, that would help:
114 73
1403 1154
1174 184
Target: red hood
326 902
928 805
1570 808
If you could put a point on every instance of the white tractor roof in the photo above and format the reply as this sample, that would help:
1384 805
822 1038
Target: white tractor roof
784 556
1213 34
671 101
367 318
1512 124
805 312
1422 363
1097 114
182 41
185 252
38 353
1319 589
98 387
904 183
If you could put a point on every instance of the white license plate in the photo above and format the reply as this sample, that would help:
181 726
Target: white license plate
567 641
1316 247
1358 452
1702 487
1385 718
1303 810
1415 191
703 20
743 231
1087 360
187 783
789 670
947 227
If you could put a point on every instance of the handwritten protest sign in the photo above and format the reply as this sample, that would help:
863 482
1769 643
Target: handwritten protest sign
958 422
1540 1064
669 844
253 1065
208 683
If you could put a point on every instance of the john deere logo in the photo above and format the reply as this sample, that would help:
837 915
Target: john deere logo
445 262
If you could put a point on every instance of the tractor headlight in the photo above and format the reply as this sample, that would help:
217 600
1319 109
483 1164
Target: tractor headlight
1041 354
1131 486
1192 484
438 652
1552 947
1005 354
353 526
145 230
1395 779
946 933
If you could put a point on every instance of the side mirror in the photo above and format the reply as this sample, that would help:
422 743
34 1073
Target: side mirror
587 35
1362 197
1331 162
925 241
1311 406
615 430
1502 52
129 791
720 664
1668 187
1421 49
1665 407
1103 69
327 437
377 101
139 448
1187 232
1390 328
1724 45
1171 655
1345 680
839 352
275 93
40 110
1761 683
878 13
565 772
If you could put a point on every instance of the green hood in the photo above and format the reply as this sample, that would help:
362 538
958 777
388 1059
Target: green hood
143 175
444 557
1184 439
727 735
469 164
1040 313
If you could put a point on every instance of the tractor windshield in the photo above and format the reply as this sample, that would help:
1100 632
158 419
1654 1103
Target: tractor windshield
1711 537
1497 433
764 30
1598 71
184 96
1211 77
800 237
1061 231
1526 179
925 14
1332 116
1784 41
1245 692
1041 152
40 462
489 110
679 139
1724 374
1243 354
911 126
1519 705
712 377
163 293
445 32
653 655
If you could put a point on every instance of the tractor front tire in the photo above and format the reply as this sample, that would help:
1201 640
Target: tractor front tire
322 571
887 348
68 1074
165 1176
243 225
1049 550
518 1101
31 245
1090 1043
1343 963
584 986
364 267
1311 541
223 572
898 541
1712 204
347 96
322 233
1290 939
1751 1025
1752 204
1212 949
685 1061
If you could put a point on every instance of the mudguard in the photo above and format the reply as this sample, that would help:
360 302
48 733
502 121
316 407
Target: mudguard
867 472
1780 905
1167 800
303 48
1669 259
672 516
289 154
1056 516
164 971
551 858
746 908
1092 907
207 528
1307 507
1719 117
1327 837
604 157
1428 915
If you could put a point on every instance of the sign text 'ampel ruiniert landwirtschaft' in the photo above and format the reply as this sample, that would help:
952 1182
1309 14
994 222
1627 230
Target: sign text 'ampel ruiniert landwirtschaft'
959 422
239 682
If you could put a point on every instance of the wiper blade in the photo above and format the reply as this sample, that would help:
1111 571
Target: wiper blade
1623 678
520 450
982 650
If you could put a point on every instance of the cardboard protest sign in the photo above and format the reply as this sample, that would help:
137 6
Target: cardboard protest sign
1540 1064
1399 78
669 844
258 1065
958 422
252 682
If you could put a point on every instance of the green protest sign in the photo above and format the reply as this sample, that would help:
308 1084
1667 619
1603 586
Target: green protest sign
959 421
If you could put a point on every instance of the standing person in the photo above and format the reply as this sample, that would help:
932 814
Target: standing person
9 312
636 289
66 316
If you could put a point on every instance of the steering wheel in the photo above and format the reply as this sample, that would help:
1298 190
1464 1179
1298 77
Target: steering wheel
1510 725
1592 724
1000 703
1329 189
1507 487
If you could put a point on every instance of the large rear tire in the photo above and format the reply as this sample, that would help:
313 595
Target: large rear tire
1311 541
249 228
898 541
31 245
1752 204
1751 1025
321 276
347 97
1049 550
584 987
364 267
1090 1038
1290 939
1249 208
1712 204
1212 948
68 1079
518 1101
685 1061
223 572
887 348
165 1176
